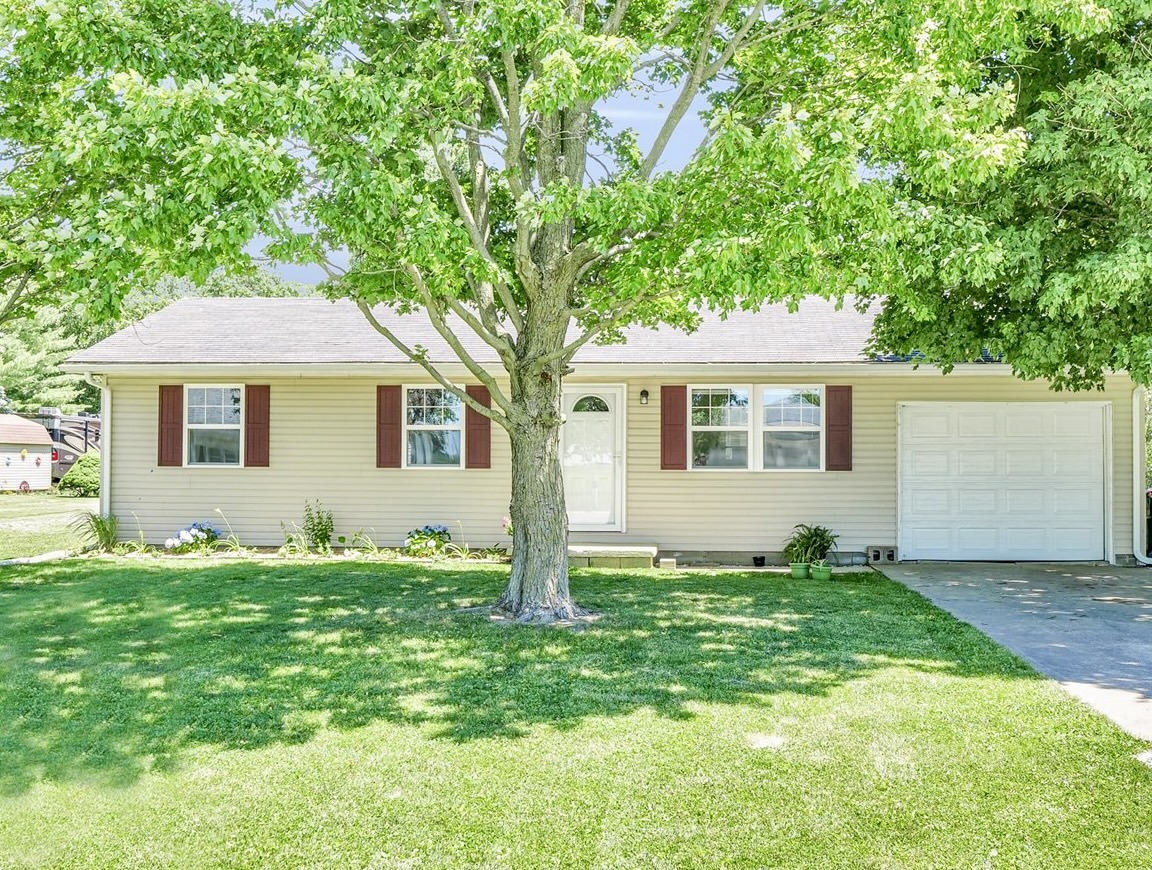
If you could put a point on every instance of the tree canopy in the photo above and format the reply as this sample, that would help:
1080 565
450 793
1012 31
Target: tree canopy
460 157
31 349
1048 264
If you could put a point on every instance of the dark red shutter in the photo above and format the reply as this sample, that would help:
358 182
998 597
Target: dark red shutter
838 420
170 444
389 426
674 428
256 407
477 430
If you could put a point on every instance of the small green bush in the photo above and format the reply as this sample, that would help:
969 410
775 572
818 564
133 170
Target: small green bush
318 527
83 478
427 542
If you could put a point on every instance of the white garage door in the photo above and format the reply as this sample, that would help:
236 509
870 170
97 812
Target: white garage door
1002 481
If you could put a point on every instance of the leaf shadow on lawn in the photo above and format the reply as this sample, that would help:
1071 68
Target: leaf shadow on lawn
109 669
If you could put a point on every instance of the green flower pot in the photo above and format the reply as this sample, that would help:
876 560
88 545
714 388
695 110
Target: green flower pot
824 573
799 570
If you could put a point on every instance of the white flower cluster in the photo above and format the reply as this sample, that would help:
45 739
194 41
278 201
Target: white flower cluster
195 535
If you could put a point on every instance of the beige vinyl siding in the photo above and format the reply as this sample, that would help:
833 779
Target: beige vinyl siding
323 446
754 511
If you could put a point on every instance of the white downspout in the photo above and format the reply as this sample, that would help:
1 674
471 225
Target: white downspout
1139 482
105 506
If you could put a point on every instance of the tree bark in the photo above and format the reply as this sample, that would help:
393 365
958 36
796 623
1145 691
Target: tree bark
537 590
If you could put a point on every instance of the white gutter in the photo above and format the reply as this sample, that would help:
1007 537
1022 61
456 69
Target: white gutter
1139 482
105 506
583 370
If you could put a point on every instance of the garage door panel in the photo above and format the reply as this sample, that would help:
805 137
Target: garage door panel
1071 502
932 503
929 426
1021 424
978 426
1076 463
977 502
1023 463
972 462
975 538
1069 424
1025 541
1034 490
928 463
1024 502
932 539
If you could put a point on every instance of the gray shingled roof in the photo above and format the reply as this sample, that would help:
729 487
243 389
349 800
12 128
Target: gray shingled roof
306 331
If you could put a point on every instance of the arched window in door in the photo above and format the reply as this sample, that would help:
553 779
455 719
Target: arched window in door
593 404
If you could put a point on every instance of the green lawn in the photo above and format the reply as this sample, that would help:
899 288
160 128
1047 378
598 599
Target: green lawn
39 522
164 713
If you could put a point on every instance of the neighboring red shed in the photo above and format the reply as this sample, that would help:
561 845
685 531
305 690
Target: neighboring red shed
25 454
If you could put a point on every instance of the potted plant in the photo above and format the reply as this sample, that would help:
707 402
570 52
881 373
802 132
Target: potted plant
821 570
807 544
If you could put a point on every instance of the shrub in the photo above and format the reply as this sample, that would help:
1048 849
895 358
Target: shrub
83 478
427 541
318 527
196 538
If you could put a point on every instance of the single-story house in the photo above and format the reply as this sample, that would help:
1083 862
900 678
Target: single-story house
706 445
25 455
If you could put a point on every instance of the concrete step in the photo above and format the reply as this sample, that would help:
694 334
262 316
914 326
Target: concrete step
611 555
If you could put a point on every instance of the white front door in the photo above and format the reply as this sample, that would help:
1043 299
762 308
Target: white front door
1003 480
592 452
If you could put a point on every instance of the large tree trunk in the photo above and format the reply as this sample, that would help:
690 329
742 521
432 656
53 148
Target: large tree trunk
538 588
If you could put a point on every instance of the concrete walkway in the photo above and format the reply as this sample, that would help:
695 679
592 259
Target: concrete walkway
1089 627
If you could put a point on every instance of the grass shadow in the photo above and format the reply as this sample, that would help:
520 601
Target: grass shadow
111 668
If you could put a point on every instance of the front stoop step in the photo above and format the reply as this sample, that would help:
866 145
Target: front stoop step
610 556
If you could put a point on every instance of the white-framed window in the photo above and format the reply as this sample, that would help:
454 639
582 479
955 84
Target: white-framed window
792 428
764 427
213 424
720 418
433 428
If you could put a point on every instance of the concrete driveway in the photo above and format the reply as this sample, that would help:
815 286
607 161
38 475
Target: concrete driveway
1089 627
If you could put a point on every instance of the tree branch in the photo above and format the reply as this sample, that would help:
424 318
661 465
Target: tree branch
700 72
422 360
607 321
515 160
15 297
590 261
616 17
475 233
688 91
436 316
737 41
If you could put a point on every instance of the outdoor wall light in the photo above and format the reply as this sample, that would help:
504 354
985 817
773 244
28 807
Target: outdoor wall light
643 397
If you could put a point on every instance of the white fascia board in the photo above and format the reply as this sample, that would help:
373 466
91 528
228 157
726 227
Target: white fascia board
807 372
250 371
457 371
